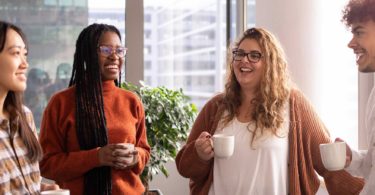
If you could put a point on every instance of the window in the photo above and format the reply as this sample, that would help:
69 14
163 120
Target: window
189 48
52 23
250 14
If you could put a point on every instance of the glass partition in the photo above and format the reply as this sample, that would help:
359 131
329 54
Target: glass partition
185 46
52 27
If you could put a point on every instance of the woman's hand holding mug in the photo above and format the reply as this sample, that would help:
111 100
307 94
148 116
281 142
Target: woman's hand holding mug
203 145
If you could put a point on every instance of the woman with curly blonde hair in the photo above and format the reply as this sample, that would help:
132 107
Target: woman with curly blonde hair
277 132
272 91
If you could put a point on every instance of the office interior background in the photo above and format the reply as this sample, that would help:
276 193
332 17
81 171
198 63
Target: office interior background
183 44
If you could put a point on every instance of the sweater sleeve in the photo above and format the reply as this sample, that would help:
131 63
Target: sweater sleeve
141 142
188 163
57 163
315 133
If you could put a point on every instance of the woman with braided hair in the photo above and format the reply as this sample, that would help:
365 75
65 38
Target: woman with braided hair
83 125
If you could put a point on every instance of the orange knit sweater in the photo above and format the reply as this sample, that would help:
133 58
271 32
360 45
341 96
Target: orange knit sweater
63 160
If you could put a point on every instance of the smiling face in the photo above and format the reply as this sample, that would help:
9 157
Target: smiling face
363 45
110 65
248 74
13 65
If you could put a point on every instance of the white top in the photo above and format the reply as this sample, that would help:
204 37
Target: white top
363 161
260 168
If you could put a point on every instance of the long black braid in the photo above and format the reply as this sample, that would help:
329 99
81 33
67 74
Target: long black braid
90 117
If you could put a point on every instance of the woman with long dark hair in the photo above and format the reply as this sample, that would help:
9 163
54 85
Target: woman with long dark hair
83 125
19 147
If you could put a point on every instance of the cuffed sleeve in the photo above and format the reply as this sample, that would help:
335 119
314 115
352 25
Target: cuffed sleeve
356 165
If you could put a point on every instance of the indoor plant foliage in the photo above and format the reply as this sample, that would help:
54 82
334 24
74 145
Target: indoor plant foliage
169 116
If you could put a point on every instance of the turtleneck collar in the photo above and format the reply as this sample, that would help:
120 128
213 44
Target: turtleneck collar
108 86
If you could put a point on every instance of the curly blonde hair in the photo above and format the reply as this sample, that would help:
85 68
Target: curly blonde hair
274 87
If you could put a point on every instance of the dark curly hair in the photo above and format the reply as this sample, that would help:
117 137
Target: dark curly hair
358 11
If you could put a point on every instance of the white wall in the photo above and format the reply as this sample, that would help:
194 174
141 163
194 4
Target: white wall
294 23
175 184
320 63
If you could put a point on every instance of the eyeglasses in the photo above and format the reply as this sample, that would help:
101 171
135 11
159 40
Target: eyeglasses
107 51
252 56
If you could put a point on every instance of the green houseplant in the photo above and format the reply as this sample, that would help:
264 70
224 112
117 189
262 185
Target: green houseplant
169 116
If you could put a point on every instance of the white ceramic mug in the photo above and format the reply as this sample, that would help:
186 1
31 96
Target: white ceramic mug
223 145
55 192
333 155
129 148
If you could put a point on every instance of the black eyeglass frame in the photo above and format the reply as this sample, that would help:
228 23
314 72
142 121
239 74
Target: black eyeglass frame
250 55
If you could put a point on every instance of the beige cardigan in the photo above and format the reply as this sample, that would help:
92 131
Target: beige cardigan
305 134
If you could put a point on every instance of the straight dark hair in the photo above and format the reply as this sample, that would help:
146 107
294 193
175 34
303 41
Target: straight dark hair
13 104
90 117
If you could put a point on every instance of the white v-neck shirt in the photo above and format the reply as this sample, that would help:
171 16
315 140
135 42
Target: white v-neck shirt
260 169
